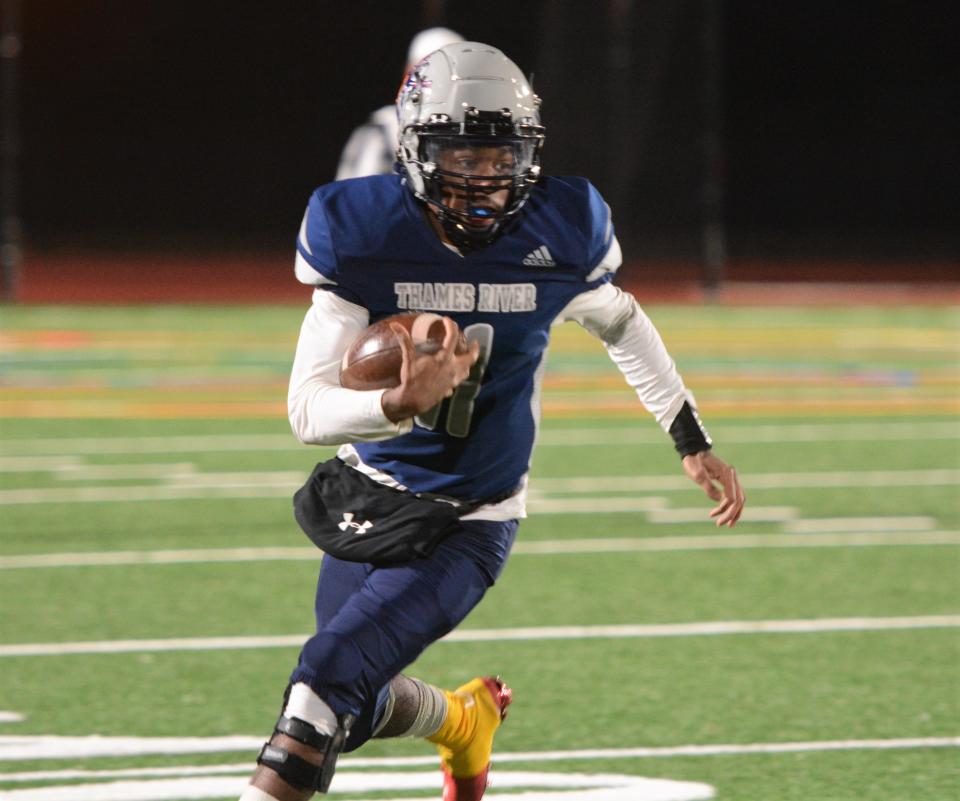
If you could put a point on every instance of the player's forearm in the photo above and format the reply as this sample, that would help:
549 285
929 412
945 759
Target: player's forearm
324 414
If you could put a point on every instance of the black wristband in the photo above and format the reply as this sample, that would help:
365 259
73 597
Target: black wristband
689 435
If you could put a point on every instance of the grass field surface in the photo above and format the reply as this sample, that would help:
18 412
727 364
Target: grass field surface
154 587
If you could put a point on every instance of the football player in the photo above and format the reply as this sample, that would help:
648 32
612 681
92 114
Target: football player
473 231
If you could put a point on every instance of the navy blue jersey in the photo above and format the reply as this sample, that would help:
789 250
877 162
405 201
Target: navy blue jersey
370 243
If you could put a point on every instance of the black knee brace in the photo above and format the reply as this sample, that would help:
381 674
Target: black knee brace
294 769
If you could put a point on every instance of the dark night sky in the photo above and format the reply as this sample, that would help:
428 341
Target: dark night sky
174 123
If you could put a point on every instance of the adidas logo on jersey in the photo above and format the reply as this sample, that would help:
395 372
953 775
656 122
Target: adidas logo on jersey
539 258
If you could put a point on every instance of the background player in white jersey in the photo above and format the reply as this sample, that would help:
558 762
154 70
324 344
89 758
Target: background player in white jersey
471 230
372 147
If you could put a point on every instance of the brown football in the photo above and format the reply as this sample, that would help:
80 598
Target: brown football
373 360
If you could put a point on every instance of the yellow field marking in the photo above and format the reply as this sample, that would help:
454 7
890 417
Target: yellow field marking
774 407
863 381
111 408
216 391
629 433
765 338
90 384
571 339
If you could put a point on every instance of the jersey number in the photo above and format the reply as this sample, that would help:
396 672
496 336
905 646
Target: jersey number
460 407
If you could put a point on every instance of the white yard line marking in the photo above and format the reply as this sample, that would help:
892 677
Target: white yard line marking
284 479
248 488
280 483
653 507
719 542
531 633
34 464
773 433
719 627
539 505
144 646
219 781
737 749
40 747
540 547
833 524
10 717
164 557
176 444
14 748
838 478
591 787
751 514
121 773
801 432
124 472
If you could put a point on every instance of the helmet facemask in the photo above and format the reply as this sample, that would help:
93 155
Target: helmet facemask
476 184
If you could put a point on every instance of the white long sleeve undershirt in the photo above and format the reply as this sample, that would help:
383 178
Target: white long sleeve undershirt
324 413
321 411
635 346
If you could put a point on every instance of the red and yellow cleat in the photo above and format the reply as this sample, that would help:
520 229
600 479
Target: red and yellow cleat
465 741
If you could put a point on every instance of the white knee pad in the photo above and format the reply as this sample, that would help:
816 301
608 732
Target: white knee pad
304 704
309 720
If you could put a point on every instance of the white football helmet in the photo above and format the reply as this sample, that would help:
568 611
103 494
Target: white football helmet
462 96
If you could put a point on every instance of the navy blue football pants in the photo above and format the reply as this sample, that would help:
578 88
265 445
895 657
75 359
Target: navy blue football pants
373 622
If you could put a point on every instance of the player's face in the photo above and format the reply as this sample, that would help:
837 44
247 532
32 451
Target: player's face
483 192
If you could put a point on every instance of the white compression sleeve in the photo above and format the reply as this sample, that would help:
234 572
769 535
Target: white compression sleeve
321 411
635 346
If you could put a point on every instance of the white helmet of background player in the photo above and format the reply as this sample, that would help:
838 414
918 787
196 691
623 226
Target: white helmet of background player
425 42
469 95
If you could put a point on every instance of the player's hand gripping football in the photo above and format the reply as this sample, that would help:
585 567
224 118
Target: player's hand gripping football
719 480
426 379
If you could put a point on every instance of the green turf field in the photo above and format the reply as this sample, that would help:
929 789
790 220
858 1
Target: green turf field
154 586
